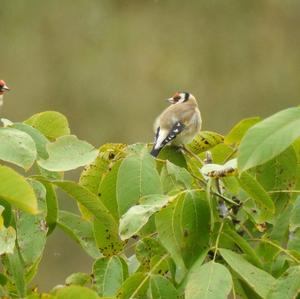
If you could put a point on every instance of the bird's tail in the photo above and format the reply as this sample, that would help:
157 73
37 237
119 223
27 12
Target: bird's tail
155 151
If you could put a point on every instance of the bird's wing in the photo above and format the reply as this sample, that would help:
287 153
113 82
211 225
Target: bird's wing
163 137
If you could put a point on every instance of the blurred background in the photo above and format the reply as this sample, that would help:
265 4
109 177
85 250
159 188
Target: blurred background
108 64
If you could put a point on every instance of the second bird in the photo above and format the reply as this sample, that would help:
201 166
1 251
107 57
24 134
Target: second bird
178 124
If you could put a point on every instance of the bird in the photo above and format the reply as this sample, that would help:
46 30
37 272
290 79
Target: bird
177 124
3 90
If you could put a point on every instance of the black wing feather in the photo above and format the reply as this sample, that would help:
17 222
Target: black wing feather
176 129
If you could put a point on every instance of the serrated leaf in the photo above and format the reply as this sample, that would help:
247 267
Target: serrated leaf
50 123
17 147
137 177
22 197
204 141
109 274
183 228
80 230
209 281
7 240
260 281
68 153
239 130
287 286
162 288
269 138
137 216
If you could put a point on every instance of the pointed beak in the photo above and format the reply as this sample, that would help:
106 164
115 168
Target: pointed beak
5 87
170 100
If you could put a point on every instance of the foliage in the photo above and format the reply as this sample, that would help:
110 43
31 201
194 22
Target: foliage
218 219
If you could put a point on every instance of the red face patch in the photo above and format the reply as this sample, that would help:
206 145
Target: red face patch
176 97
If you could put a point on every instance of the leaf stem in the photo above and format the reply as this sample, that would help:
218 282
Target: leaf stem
218 240
278 247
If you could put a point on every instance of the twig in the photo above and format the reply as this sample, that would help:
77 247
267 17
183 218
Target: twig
192 154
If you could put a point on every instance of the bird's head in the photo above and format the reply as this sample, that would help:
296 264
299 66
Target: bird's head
3 87
181 97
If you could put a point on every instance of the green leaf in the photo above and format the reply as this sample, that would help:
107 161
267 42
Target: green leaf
68 153
204 141
269 138
260 281
183 228
22 197
134 286
180 174
108 243
52 207
78 278
209 281
255 190
80 230
39 139
92 175
16 270
220 153
17 147
162 288
108 190
243 245
7 240
294 220
284 168
32 229
137 216
31 236
137 177
94 205
51 123
173 155
239 130
287 286
87 199
146 249
109 274
75 291
294 240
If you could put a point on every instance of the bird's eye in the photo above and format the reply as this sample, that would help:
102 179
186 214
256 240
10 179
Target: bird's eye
177 98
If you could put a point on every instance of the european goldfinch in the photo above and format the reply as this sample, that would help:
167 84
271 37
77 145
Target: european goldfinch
179 123
3 89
